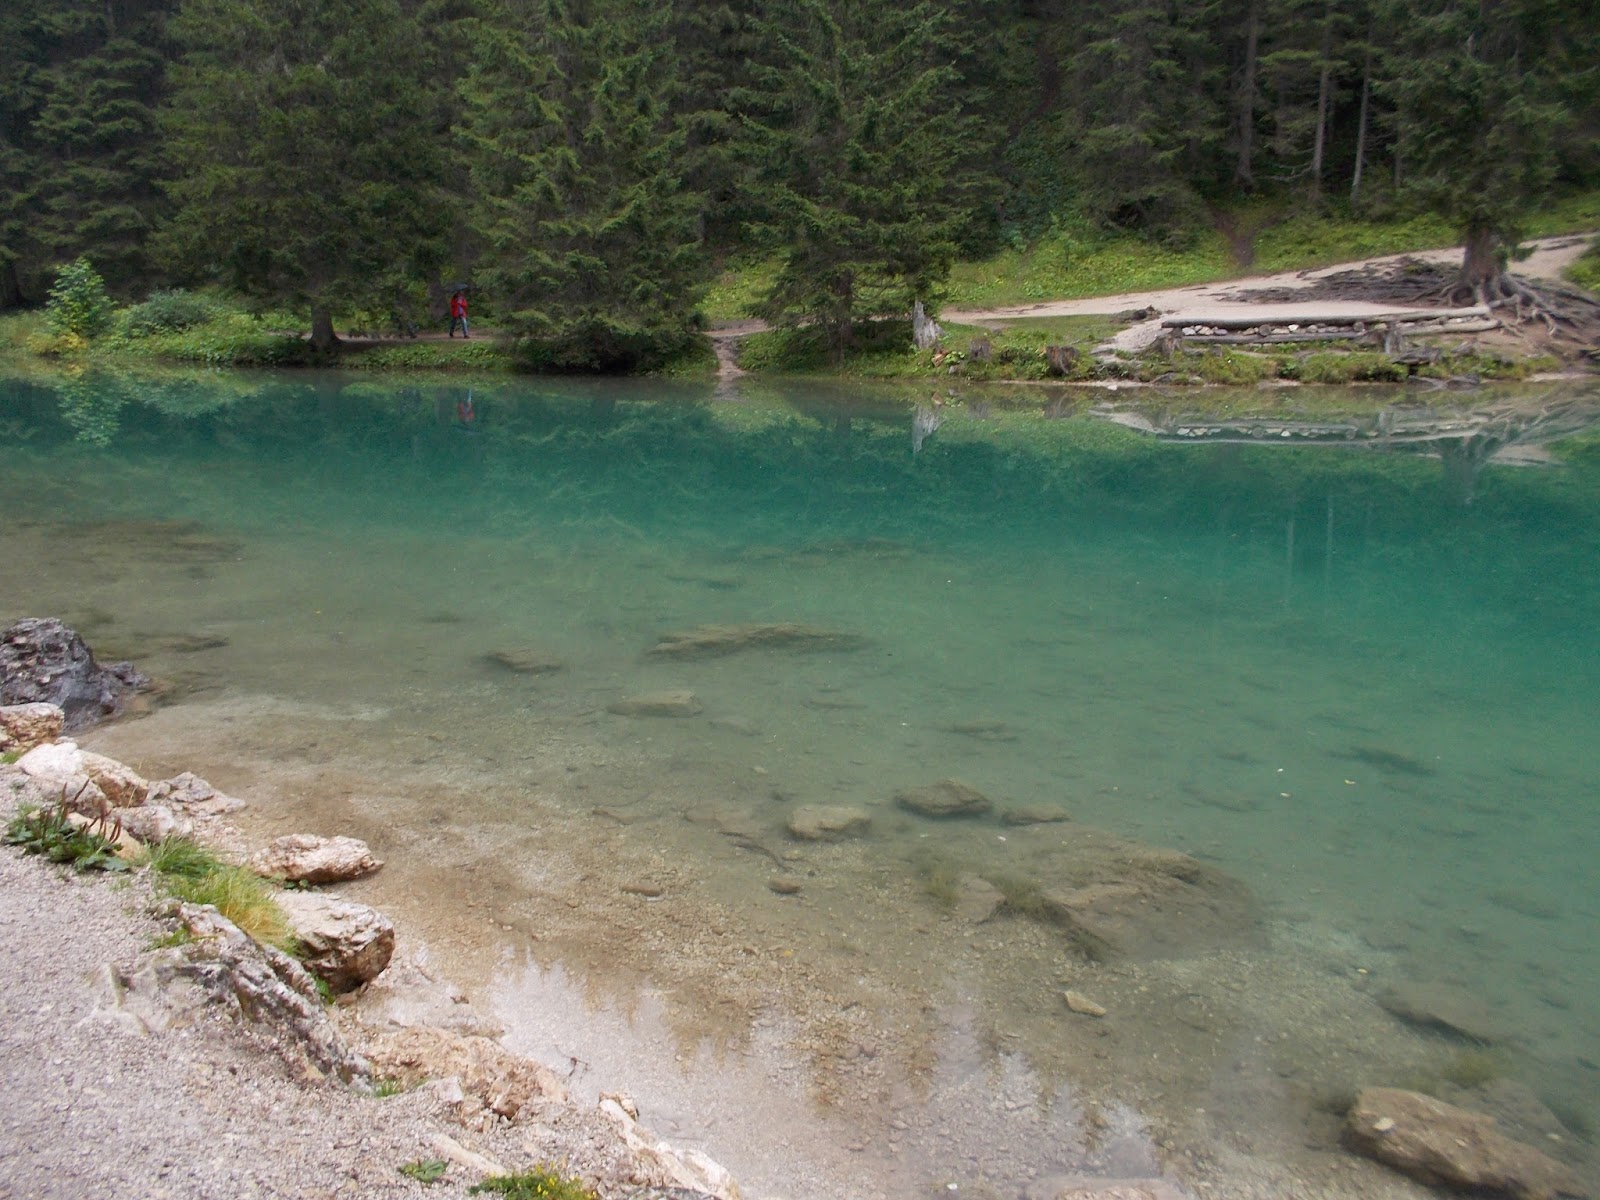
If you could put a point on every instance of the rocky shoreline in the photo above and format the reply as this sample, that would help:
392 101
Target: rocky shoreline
223 1056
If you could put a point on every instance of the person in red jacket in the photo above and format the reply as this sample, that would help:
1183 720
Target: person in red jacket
458 312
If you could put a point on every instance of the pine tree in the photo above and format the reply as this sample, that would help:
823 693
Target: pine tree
309 158
861 158
575 157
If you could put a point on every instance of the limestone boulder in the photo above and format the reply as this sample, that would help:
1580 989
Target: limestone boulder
947 798
24 726
308 858
122 785
193 796
43 661
676 702
828 822
59 772
346 943
1442 1145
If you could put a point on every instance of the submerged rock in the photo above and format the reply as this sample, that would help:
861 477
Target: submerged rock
526 661
678 702
947 798
1440 1144
1129 901
1443 1009
43 661
828 822
711 641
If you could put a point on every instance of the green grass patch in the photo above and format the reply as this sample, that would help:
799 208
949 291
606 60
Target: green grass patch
540 1184
738 288
1321 241
1064 265
1585 272
482 354
181 858
244 898
1576 212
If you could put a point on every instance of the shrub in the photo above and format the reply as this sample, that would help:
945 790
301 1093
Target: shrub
168 312
79 306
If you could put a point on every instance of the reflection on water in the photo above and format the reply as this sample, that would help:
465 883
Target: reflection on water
1287 749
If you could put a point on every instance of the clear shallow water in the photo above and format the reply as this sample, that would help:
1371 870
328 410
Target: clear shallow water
1315 669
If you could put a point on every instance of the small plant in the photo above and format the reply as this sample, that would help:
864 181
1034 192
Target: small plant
1022 896
50 831
178 937
426 1170
79 306
10 756
539 1184
387 1086
1473 1068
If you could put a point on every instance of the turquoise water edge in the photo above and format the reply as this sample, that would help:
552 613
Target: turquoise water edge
1362 681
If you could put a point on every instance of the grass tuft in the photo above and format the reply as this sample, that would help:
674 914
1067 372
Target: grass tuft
244 898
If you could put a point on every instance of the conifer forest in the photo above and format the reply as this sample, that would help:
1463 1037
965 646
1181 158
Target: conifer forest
584 165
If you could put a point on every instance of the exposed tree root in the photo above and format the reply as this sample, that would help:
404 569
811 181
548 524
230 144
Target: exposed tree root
1566 312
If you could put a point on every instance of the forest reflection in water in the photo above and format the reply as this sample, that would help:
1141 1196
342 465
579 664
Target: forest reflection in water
1346 696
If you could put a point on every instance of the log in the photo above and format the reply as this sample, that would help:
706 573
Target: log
1426 314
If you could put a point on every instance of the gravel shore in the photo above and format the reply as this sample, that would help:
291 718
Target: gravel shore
209 1107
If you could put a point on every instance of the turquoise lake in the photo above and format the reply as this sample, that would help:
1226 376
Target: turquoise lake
1360 681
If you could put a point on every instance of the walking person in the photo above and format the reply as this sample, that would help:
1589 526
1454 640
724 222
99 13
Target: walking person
458 312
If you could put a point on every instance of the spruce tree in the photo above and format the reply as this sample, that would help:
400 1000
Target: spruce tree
1475 89
79 147
308 156
575 153
860 157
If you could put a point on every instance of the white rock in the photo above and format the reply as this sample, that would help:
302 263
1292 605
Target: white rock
346 943
308 858
24 726
670 1166
152 822
1083 1005
55 760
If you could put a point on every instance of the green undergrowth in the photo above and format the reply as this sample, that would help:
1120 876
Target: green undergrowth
539 1184
1014 350
1585 272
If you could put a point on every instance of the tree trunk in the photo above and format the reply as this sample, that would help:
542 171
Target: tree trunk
10 286
1324 95
1246 116
1361 130
322 336
1482 263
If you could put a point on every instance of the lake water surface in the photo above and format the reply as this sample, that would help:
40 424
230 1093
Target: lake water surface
1361 685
